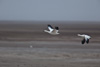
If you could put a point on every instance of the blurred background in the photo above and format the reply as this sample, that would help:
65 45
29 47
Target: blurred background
27 19
23 42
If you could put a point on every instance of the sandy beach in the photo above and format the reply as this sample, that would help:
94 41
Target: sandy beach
63 50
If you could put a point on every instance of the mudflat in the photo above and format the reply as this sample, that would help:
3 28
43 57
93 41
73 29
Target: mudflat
27 45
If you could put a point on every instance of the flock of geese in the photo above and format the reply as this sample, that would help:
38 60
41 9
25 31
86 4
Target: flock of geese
54 31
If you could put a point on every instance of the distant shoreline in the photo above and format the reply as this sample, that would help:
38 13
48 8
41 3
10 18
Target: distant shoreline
38 22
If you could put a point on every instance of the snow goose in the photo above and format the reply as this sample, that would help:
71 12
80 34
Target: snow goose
52 31
85 38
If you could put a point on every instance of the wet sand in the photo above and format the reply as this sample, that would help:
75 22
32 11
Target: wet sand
64 50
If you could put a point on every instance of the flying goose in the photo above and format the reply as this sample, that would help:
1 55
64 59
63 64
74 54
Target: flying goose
85 38
52 31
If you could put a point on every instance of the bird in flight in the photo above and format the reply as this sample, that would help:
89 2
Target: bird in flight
52 31
85 38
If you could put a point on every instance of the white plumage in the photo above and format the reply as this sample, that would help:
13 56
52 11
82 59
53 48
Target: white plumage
53 31
85 38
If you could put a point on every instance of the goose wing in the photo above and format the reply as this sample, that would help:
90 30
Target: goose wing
50 27
83 41
87 41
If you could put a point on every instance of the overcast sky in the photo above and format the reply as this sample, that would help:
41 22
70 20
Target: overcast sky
53 10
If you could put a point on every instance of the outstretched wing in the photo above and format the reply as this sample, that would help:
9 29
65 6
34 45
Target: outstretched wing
83 41
87 41
50 27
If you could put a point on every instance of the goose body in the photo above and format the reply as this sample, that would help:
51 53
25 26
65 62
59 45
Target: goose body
52 31
85 38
